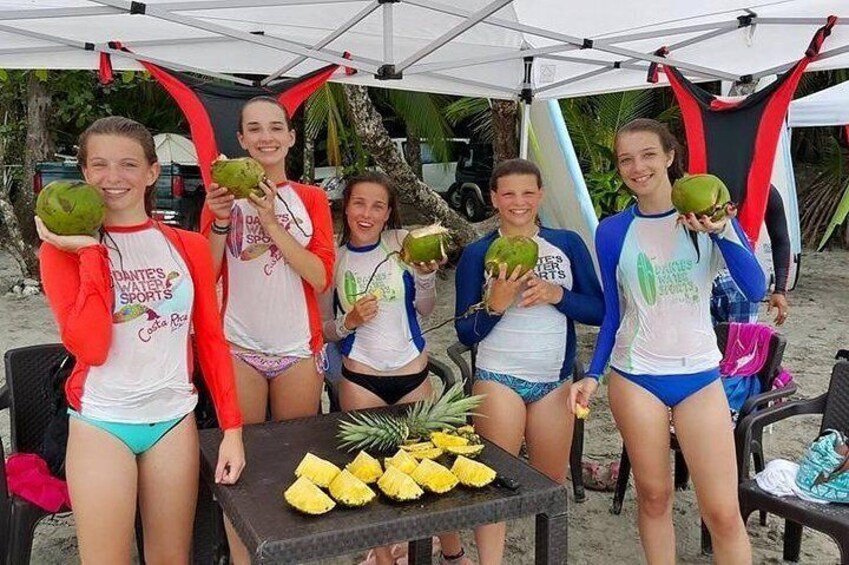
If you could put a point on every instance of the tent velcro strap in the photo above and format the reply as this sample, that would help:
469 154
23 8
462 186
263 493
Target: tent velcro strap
819 37
137 8
652 75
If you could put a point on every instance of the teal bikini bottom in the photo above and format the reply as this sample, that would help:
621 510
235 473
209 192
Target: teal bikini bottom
528 391
137 437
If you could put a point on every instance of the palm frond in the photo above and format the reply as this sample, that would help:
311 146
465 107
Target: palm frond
423 115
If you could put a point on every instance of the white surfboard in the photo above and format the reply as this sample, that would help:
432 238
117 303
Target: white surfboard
567 203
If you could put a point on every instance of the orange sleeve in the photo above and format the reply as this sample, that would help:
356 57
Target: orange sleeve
78 287
321 245
213 351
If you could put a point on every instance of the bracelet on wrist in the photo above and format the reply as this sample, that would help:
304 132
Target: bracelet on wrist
219 229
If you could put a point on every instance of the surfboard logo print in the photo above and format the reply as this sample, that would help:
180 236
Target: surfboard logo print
646 276
350 282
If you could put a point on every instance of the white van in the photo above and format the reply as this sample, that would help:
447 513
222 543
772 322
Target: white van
438 176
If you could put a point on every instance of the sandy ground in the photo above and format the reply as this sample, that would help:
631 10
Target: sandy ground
816 329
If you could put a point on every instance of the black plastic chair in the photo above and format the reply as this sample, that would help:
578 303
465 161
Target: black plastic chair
435 366
770 370
457 354
831 519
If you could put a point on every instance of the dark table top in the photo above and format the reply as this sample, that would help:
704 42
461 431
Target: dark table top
276 533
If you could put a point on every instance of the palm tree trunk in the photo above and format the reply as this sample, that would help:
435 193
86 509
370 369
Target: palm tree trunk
369 127
413 153
11 239
505 143
39 147
308 175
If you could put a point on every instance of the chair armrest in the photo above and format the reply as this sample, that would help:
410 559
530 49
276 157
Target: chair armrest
455 353
5 397
759 400
443 371
752 424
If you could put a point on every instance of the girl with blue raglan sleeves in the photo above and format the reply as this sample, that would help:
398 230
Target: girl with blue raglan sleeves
525 335
657 268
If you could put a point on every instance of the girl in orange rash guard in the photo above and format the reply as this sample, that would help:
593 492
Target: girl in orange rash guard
125 301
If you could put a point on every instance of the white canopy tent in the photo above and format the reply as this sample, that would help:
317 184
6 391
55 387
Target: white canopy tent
473 47
829 107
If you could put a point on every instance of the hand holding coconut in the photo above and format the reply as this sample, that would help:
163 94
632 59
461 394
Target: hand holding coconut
264 204
219 200
541 292
69 243
504 289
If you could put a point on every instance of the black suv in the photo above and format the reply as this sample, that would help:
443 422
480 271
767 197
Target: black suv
470 192
179 189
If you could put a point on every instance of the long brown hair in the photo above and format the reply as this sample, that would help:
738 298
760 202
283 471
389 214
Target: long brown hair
123 127
667 142
394 221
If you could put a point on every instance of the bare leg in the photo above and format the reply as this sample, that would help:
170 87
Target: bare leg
168 488
503 423
297 392
102 480
252 389
548 433
703 428
643 421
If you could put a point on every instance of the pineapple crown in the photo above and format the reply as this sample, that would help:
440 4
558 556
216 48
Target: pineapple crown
384 432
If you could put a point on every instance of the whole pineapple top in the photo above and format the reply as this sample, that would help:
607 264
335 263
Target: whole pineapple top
386 432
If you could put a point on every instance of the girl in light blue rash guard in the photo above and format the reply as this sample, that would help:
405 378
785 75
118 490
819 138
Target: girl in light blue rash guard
526 335
657 268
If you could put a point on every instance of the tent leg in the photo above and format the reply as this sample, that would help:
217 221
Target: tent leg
526 124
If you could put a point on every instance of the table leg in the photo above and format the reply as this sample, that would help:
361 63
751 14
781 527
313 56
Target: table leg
551 543
418 552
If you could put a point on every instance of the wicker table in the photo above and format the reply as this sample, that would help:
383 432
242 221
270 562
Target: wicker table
275 533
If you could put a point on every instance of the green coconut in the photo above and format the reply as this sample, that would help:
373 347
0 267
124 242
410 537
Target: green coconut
424 245
239 176
702 195
515 251
70 208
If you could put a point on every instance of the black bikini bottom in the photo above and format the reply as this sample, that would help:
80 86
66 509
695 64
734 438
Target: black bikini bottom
389 389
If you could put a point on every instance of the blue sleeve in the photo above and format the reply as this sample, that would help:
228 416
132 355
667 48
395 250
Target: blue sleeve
609 239
584 303
742 264
468 282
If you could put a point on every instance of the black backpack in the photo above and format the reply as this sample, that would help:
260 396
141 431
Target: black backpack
55 441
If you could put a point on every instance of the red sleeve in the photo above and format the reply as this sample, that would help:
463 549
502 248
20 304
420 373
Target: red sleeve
321 245
213 351
78 287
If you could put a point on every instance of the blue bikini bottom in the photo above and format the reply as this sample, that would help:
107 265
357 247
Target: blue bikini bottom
137 437
528 391
673 389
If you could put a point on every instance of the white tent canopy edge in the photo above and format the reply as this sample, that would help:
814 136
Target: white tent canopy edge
473 48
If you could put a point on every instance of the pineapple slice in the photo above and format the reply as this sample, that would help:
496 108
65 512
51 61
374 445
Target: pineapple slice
431 453
472 473
422 446
402 460
365 467
582 412
443 440
350 491
464 430
317 470
305 496
434 477
471 451
399 486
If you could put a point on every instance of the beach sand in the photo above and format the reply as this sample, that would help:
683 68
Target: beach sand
817 327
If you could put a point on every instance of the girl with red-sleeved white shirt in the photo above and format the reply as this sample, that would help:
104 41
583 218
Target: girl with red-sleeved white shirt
275 255
125 302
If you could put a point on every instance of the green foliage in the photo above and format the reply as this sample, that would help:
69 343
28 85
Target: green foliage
593 122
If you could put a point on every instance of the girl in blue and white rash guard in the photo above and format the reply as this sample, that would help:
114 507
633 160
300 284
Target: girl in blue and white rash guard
525 337
371 310
657 268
